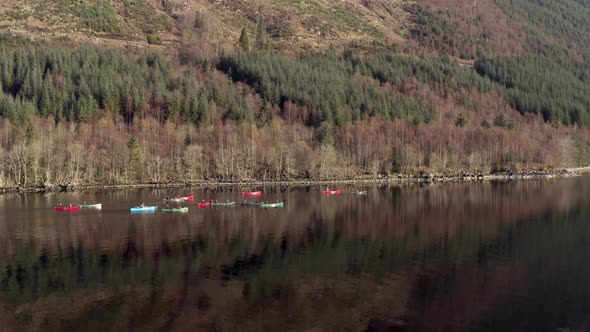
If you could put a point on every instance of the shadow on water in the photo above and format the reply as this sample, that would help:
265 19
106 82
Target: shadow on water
447 257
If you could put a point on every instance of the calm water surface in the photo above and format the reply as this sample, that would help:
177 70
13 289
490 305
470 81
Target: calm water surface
449 257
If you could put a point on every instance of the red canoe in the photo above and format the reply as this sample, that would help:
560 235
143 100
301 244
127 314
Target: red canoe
252 193
66 208
331 192
189 198
203 205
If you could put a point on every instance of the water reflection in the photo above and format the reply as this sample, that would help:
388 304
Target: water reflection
444 257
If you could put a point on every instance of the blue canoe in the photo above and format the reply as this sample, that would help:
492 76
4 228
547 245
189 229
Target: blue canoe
144 209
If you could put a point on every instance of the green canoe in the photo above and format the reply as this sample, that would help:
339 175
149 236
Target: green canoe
174 200
251 203
224 204
184 209
92 206
272 205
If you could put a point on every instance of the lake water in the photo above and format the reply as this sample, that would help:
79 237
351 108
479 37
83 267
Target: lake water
511 256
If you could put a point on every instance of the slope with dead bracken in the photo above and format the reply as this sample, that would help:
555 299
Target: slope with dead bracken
315 24
462 29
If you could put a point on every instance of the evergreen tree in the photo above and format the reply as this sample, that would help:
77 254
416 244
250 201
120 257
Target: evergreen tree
261 41
203 109
244 42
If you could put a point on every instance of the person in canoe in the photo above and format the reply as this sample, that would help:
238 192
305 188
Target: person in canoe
168 197
61 205
142 205
93 202
84 203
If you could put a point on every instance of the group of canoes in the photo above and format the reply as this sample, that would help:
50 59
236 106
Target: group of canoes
203 204
71 207
206 204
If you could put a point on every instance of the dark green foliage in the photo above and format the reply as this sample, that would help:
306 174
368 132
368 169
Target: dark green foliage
75 84
261 41
395 159
154 40
502 122
244 41
554 27
432 28
133 145
97 15
17 110
540 85
460 121
553 79
264 115
146 17
441 72
324 85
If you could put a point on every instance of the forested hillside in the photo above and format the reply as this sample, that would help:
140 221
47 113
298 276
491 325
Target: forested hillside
141 91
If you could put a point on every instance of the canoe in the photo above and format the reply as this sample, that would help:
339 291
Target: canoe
272 205
144 209
175 199
203 205
97 206
66 208
224 204
180 199
183 209
331 192
250 203
252 193
359 193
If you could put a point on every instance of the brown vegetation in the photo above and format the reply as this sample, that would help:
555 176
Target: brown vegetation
105 152
483 27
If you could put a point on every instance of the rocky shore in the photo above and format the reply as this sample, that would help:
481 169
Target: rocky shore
421 177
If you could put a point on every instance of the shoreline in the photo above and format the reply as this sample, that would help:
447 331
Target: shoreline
420 178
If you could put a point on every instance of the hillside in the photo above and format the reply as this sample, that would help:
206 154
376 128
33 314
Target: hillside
296 24
192 90
467 29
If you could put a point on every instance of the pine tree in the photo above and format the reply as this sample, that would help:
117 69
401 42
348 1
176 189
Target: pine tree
261 41
244 41
203 109
135 157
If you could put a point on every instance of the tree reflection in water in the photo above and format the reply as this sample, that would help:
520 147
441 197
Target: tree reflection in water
443 257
